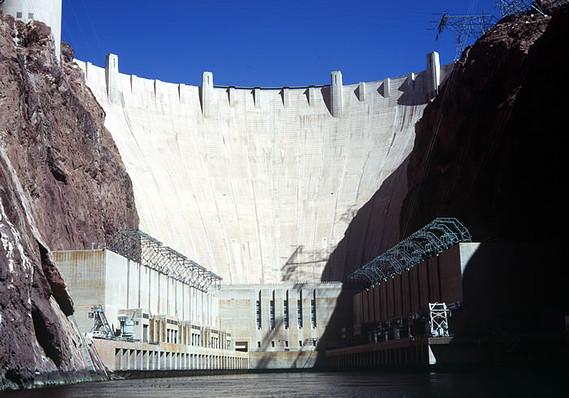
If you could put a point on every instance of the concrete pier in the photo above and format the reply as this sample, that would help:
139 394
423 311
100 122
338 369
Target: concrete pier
206 92
433 73
402 353
112 78
336 93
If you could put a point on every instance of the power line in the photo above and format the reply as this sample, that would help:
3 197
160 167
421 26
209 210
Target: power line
467 27
513 7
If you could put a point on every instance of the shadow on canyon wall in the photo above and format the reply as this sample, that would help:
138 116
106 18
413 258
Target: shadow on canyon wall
498 165
489 150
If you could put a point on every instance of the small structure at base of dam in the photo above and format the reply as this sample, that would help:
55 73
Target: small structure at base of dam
279 325
46 11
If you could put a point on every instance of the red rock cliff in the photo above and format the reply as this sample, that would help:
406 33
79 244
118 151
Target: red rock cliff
62 186
491 150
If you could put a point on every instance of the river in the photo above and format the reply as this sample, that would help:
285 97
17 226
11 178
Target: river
364 385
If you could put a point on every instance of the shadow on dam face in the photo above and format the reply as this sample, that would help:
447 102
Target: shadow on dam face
374 229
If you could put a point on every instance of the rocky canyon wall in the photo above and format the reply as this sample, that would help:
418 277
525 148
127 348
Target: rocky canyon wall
62 186
491 150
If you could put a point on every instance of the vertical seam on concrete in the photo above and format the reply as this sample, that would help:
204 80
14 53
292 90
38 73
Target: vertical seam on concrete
337 193
228 246
208 178
258 230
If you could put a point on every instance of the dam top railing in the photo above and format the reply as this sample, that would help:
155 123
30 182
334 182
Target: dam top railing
269 88
145 250
432 239
109 84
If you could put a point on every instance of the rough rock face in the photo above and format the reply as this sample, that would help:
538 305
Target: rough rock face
479 149
491 150
62 185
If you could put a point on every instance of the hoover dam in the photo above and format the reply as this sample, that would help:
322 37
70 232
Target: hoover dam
259 184
153 229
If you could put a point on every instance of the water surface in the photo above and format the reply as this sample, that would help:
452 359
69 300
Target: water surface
365 385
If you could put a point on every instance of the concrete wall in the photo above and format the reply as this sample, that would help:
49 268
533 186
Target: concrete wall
282 343
84 274
123 355
101 277
257 184
46 11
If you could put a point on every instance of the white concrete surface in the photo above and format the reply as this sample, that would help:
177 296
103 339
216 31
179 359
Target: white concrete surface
257 185
46 11
101 277
288 333
336 93
434 73
125 355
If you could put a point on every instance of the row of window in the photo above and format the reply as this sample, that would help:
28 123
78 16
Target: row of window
286 343
19 15
286 318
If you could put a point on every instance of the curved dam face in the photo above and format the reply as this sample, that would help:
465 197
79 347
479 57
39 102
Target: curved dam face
258 185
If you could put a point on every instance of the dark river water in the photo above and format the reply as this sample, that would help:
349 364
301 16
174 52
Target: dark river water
386 385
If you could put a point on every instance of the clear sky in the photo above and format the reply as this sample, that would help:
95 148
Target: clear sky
263 42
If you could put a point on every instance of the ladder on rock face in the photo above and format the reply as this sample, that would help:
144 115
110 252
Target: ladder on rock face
83 346
438 319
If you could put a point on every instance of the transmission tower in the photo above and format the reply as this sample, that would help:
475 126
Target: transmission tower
467 28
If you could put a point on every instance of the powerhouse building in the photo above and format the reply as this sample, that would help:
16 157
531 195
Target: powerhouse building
142 315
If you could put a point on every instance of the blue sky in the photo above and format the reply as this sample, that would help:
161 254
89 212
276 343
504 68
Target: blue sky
262 42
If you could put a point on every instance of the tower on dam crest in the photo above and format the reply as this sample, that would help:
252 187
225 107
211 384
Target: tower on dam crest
46 11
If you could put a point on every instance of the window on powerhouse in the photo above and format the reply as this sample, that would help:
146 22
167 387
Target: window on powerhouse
286 311
299 310
272 311
313 309
258 311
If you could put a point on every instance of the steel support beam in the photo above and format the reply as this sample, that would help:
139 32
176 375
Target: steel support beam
434 238
148 251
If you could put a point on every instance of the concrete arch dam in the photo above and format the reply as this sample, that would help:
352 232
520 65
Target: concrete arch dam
259 185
